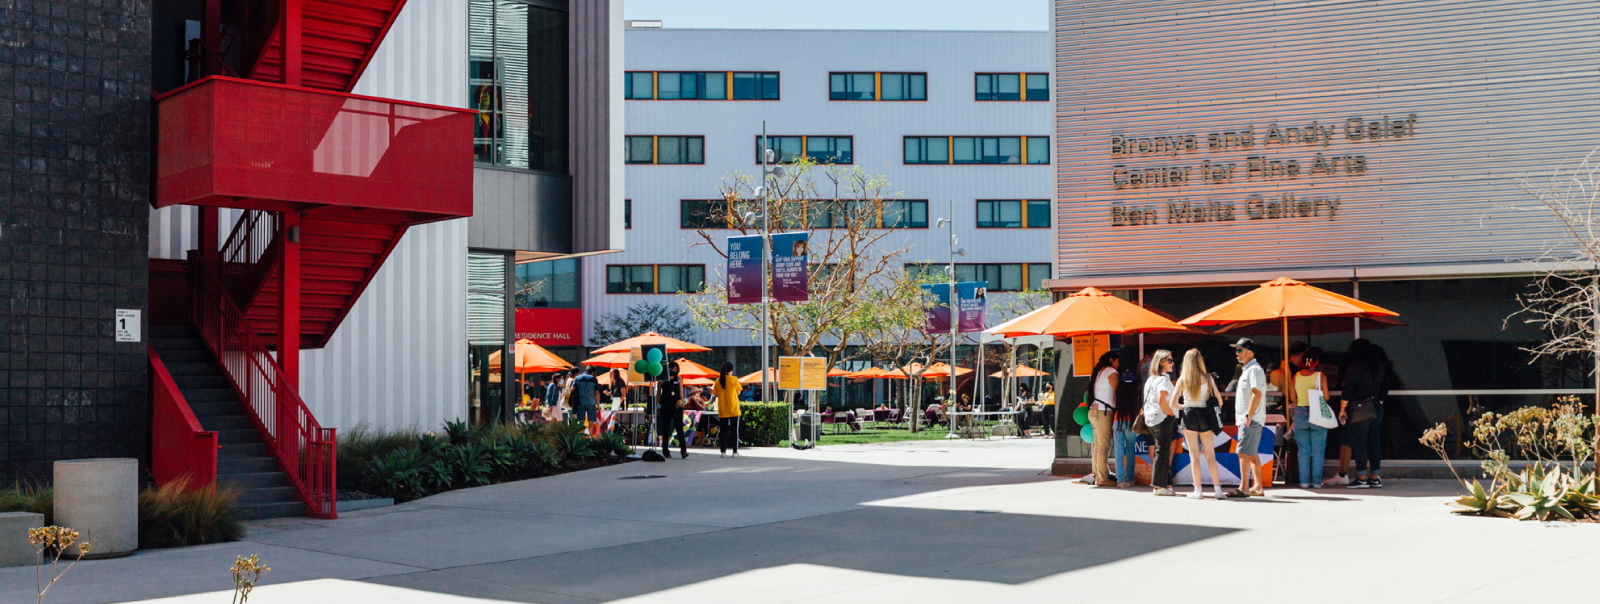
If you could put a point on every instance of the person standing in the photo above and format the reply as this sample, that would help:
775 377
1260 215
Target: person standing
1101 412
1048 397
584 387
1160 409
1250 416
1199 420
727 390
552 396
1124 440
1311 439
669 414
1366 384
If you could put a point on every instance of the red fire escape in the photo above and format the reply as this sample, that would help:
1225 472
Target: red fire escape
329 182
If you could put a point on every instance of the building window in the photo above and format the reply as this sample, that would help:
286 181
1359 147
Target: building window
639 85
1010 87
627 213
1005 277
818 214
701 86
665 149
1013 213
548 284
655 278
755 86
977 149
821 149
517 80
877 86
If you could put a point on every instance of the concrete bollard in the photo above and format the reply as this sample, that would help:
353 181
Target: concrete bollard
14 547
99 498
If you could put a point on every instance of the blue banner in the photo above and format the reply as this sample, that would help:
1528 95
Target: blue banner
789 264
971 304
744 269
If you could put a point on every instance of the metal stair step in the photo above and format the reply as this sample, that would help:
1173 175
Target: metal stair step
203 410
243 450
266 495
185 356
175 344
196 396
236 421
245 436
192 368
254 480
258 511
243 465
196 382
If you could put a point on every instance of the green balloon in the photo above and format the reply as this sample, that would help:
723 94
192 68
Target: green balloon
654 355
641 366
1087 434
652 368
1081 415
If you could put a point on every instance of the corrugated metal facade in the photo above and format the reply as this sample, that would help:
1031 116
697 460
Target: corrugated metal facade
595 70
1498 90
803 59
399 358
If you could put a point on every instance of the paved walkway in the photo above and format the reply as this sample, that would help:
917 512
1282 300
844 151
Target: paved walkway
913 522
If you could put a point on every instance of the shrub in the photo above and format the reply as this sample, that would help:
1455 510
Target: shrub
358 447
612 444
1550 439
763 424
470 465
27 498
397 474
574 447
172 515
459 432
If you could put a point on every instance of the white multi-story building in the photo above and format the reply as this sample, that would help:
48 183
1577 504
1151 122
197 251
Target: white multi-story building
943 115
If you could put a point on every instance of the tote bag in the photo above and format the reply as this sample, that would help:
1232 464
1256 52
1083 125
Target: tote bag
1322 414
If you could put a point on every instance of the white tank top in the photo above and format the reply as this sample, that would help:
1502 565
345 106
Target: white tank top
1205 395
1104 396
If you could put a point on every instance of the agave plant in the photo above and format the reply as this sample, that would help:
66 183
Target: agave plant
574 446
397 474
458 432
612 443
470 464
1480 502
509 456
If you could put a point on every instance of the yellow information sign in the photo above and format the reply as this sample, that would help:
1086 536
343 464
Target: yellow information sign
634 355
813 373
1086 350
789 373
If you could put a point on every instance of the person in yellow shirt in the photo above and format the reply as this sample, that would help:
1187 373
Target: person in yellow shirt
1049 400
727 392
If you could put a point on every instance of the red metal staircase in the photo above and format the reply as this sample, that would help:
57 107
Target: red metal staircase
329 182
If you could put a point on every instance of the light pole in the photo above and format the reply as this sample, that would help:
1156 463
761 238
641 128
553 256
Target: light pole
955 314
768 171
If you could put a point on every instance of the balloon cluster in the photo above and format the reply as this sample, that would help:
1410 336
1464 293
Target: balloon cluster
1081 415
652 364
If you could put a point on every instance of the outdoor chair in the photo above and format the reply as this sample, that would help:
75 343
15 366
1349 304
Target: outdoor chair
849 419
897 417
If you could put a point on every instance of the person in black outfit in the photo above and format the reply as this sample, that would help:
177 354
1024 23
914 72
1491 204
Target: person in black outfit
669 414
1366 384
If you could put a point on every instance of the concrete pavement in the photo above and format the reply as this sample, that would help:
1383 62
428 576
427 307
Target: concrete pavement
914 522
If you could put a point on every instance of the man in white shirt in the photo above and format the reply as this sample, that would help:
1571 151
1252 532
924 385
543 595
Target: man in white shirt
1250 415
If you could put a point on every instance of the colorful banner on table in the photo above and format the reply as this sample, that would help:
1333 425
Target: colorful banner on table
744 269
789 265
971 305
1227 460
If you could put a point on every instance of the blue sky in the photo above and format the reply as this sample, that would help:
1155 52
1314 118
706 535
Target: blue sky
844 14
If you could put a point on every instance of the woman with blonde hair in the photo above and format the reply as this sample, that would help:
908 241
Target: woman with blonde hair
1160 411
1199 421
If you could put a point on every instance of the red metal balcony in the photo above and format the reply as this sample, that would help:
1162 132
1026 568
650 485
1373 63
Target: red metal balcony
246 144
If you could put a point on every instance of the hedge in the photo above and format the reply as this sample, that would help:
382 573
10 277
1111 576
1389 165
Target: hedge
763 424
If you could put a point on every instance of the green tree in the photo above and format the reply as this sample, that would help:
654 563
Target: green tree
640 318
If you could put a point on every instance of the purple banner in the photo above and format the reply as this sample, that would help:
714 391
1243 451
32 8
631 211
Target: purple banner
936 308
971 303
789 259
744 270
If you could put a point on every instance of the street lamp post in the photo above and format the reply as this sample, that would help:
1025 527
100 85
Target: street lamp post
955 315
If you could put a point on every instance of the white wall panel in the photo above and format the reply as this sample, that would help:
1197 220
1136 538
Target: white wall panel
804 58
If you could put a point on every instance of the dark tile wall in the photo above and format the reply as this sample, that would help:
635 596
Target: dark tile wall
74 226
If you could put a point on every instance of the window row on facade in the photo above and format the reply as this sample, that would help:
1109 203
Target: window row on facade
655 278
999 277
816 214
842 86
836 149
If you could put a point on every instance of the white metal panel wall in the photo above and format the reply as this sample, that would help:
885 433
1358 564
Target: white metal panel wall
399 358
1500 90
804 58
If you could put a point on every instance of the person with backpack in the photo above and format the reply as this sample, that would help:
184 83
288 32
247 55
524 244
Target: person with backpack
585 407
727 390
1311 439
1199 420
1160 414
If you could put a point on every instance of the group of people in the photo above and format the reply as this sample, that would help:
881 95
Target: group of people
1186 402
577 395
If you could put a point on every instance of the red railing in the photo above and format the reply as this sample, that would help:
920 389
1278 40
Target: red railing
179 447
303 447
247 254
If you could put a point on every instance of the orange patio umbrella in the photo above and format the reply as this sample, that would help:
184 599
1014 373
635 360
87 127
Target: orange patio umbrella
837 372
688 370
610 360
533 358
1022 371
1090 312
755 376
674 345
1283 299
699 381
941 371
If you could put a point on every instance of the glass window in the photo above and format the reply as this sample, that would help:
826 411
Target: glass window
548 284
905 214
998 86
669 86
1038 149
987 150
852 87
966 150
755 86
714 86
1037 273
785 149
829 149
927 150
969 272
678 279
1010 151
627 213
999 214
518 83
1038 87
630 279
904 86
680 150
639 85
640 149
1038 214
702 214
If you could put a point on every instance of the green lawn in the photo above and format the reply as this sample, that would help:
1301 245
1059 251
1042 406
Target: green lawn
877 435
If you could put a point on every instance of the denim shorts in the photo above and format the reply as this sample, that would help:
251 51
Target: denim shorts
1250 439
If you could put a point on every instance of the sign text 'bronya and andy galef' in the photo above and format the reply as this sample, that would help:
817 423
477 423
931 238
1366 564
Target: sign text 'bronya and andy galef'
1253 169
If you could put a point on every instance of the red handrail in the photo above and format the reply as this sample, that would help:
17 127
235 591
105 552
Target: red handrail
179 448
305 450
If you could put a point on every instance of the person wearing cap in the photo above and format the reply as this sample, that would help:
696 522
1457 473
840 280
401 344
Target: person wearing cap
1250 416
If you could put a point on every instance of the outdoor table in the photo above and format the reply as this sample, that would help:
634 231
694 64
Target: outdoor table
978 415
